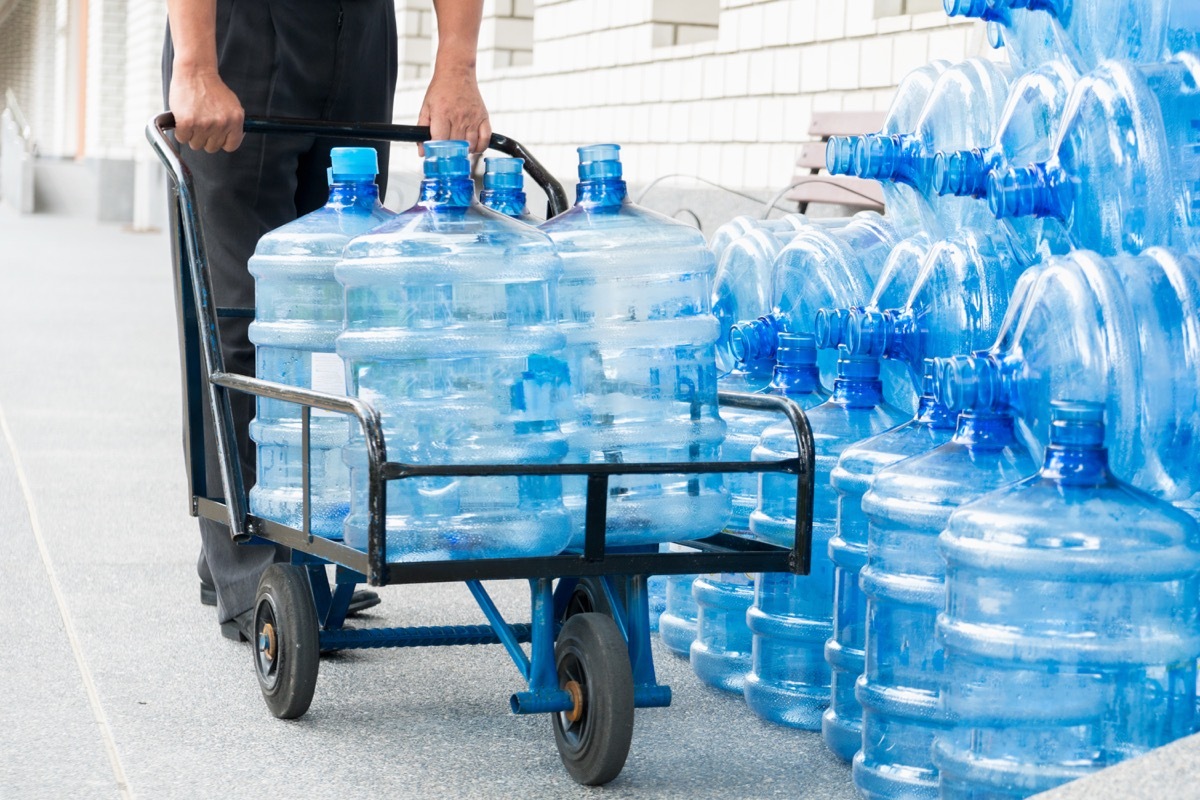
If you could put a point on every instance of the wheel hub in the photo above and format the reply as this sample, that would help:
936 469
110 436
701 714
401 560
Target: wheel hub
267 641
576 691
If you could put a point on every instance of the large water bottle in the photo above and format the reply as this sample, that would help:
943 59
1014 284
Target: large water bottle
792 616
900 199
907 506
932 426
957 303
451 334
677 622
298 315
504 188
739 226
963 112
721 652
742 289
1070 625
636 310
1124 331
819 268
1089 33
1025 136
1123 174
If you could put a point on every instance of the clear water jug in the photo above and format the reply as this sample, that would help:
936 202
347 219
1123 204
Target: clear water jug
1070 624
932 426
504 188
641 340
907 506
451 333
963 112
1124 331
677 623
900 199
1123 174
792 616
720 654
1025 136
818 268
742 288
739 226
298 315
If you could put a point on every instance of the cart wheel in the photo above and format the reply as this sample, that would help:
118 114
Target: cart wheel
588 597
286 642
593 666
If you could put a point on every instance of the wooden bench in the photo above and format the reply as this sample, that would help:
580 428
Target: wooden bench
814 185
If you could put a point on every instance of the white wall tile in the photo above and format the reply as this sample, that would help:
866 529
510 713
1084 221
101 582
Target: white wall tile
875 64
844 65
814 68
787 71
762 72
831 19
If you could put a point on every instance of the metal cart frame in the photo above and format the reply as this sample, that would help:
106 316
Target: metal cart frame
589 662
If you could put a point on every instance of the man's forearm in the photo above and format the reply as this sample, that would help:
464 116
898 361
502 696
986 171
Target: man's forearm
458 33
193 34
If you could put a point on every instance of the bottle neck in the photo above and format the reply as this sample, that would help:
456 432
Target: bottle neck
455 191
964 173
510 202
601 193
793 379
839 155
833 327
982 381
857 392
1040 190
1076 466
897 157
363 193
755 341
932 414
884 334
986 430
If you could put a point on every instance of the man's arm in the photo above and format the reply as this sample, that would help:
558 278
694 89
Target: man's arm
453 107
208 115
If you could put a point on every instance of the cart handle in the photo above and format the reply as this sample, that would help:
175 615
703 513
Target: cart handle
555 196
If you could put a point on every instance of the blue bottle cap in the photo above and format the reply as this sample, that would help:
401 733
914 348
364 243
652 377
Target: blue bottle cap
447 158
503 173
599 161
347 161
796 350
857 367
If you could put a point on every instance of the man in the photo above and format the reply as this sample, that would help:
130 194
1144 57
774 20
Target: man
312 59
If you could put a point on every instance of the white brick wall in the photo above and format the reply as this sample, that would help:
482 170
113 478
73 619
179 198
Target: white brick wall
731 107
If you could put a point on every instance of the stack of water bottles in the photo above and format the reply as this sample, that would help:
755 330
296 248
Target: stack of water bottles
1006 561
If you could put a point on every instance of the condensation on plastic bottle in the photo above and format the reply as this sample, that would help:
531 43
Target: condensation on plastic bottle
720 654
1123 174
932 426
504 188
1025 136
1070 625
636 310
299 312
451 334
1123 331
907 506
792 616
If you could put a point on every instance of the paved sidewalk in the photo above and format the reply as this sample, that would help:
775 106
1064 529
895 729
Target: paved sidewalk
115 680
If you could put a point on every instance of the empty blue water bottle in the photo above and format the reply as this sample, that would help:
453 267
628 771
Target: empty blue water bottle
504 188
907 506
792 616
963 112
957 302
451 334
1070 625
641 338
298 315
856 468
739 226
900 199
819 268
721 652
1123 175
1124 331
1025 136
742 289
677 622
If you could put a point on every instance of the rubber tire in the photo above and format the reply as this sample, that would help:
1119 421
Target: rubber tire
285 593
591 651
588 597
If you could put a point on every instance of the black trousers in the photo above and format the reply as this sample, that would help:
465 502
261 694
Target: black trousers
311 59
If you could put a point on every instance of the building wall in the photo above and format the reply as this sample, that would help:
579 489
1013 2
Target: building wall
27 62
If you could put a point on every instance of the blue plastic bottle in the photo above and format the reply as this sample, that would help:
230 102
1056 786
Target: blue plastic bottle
1123 175
963 112
792 616
1124 331
1070 626
504 188
932 426
907 506
721 652
818 268
1025 136
742 289
298 315
739 226
900 199
677 622
451 333
636 310
957 303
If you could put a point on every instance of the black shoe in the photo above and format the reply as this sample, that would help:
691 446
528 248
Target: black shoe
240 628
361 600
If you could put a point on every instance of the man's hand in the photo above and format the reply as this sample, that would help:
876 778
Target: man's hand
454 109
208 115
